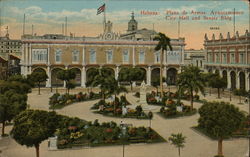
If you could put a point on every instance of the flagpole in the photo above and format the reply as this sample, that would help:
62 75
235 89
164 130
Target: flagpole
104 18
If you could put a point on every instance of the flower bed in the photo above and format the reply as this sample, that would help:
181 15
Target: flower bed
118 108
58 101
175 109
95 134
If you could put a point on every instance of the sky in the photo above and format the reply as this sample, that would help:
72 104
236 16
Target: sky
47 16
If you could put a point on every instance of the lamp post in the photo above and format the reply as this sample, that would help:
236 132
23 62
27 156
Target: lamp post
123 135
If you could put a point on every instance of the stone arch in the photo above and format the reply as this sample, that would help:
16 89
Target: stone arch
171 76
242 80
77 80
39 69
233 79
224 74
110 71
54 80
210 70
216 71
145 74
90 73
155 73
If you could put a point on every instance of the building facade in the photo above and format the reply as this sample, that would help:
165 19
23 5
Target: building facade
195 57
54 52
230 57
10 54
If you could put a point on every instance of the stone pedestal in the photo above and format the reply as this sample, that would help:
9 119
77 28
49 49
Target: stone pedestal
143 98
52 143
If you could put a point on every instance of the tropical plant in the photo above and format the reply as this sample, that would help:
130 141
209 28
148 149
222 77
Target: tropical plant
220 120
31 127
178 141
131 74
190 80
163 45
67 75
217 82
38 78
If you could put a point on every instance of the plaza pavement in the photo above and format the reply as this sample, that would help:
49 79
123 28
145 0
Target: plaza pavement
197 145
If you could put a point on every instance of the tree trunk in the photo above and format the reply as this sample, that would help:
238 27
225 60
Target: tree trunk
156 90
37 150
240 99
161 85
220 153
149 123
3 127
192 99
218 89
179 151
39 88
131 86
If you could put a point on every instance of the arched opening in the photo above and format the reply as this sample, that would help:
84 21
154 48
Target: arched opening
90 74
209 70
171 76
108 71
43 84
77 80
242 80
54 80
233 80
224 74
145 74
155 75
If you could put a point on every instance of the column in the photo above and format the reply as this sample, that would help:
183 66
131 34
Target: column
133 55
48 82
182 54
30 59
83 77
48 55
83 56
237 80
247 79
228 80
116 72
149 76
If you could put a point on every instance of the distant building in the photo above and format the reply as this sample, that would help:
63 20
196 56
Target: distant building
54 52
10 54
230 57
195 58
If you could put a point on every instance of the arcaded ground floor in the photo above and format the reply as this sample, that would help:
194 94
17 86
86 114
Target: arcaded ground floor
197 145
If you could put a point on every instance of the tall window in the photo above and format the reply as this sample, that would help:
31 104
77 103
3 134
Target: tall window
232 58
58 55
39 55
109 56
75 56
241 58
125 56
92 58
217 56
157 57
141 56
224 60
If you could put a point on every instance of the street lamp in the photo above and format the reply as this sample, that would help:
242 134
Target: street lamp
123 136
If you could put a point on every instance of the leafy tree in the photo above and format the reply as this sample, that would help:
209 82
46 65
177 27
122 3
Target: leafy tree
217 82
163 45
31 127
220 120
178 141
106 82
67 75
22 79
131 74
155 82
38 78
150 116
18 87
191 80
240 93
11 104
91 73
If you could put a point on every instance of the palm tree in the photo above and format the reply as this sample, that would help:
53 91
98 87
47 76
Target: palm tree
163 44
191 80
178 140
